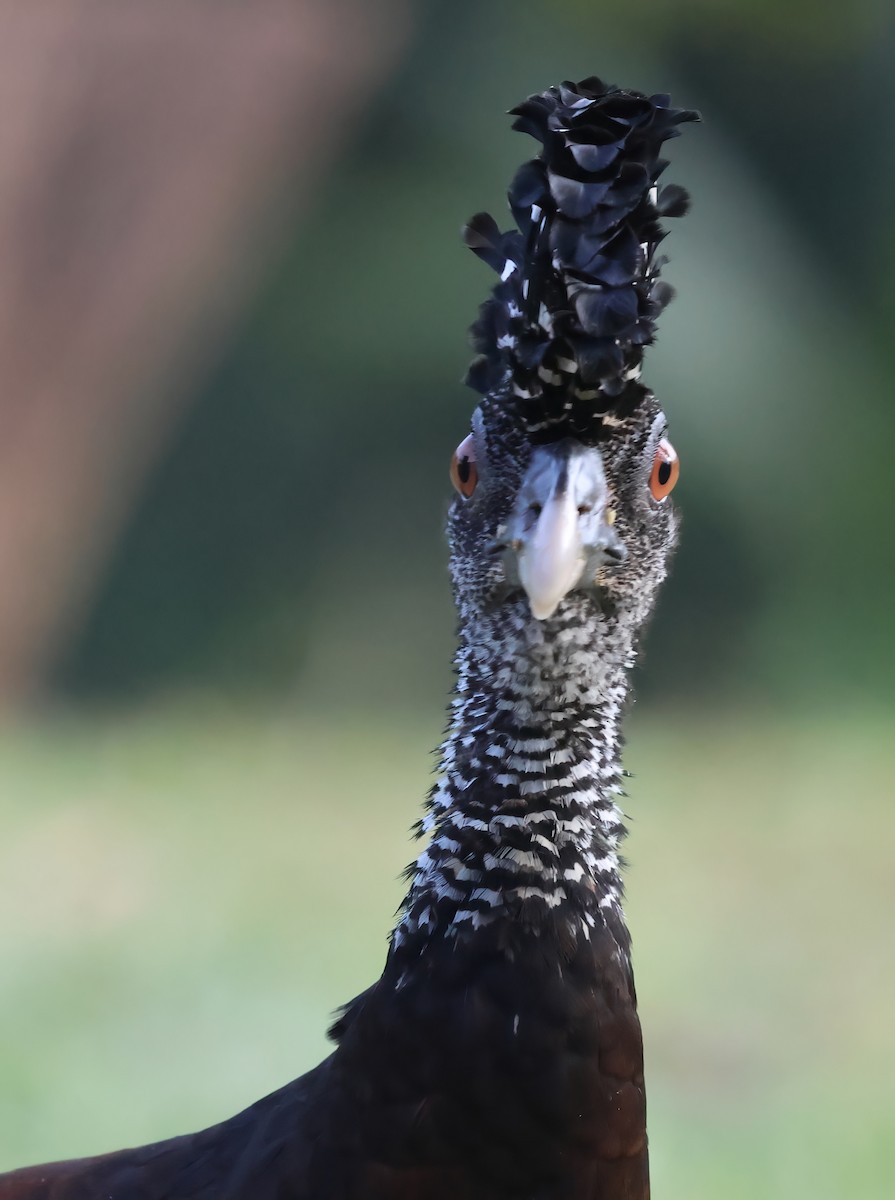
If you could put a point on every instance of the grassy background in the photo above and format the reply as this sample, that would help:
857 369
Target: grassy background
187 893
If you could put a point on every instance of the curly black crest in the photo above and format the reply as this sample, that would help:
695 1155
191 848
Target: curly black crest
563 332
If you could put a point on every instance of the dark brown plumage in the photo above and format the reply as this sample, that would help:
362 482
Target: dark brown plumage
434 1097
499 1056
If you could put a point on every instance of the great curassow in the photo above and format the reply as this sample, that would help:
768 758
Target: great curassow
499 1056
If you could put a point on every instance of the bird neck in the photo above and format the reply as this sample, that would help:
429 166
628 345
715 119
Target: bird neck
523 823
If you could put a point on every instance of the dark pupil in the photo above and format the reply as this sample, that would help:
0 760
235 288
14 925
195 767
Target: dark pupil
463 469
664 472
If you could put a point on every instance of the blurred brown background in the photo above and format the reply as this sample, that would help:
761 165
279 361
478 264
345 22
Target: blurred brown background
154 159
233 306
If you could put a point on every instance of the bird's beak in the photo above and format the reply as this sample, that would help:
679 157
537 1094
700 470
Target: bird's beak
552 558
561 533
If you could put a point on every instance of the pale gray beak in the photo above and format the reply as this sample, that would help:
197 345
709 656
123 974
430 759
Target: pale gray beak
560 532
552 558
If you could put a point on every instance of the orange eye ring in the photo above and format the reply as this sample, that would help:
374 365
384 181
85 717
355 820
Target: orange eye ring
665 472
464 473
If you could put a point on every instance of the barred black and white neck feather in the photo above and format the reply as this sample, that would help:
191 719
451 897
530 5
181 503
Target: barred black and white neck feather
524 824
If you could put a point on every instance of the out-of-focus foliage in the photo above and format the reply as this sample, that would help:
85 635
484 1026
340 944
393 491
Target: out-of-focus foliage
799 27
292 533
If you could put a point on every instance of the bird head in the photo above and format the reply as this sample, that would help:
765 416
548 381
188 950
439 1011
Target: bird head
563 481
561 518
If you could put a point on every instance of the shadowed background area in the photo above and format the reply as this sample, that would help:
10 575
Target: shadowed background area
232 318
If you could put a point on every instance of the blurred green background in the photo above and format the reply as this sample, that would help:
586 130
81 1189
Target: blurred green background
204 815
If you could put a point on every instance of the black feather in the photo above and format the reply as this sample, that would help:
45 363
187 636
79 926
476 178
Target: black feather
579 292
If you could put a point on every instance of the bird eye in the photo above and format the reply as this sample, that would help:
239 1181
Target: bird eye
464 473
666 469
